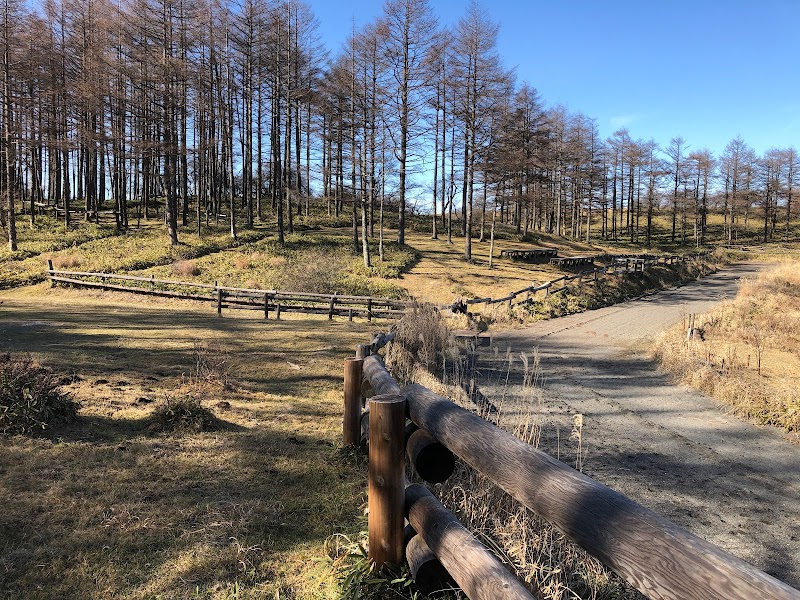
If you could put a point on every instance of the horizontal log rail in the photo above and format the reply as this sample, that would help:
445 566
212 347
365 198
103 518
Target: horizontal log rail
654 555
272 302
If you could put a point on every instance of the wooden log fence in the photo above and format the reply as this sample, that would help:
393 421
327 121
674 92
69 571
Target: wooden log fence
619 265
654 555
224 297
530 255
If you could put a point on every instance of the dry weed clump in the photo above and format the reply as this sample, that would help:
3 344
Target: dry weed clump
313 270
182 415
421 341
185 268
67 261
745 353
30 397
211 367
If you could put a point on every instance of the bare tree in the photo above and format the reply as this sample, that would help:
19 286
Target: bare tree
478 77
676 152
409 28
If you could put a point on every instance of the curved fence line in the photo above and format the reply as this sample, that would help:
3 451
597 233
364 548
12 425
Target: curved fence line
619 264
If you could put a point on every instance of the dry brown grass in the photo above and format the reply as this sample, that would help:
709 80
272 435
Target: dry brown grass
104 508
67 261
442 274
747 352
185 268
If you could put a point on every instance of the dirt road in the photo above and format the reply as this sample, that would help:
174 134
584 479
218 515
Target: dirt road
667 446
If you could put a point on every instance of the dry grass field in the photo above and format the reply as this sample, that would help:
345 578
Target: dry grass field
107 507
746 353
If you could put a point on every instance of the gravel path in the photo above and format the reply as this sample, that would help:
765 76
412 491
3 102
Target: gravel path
667 446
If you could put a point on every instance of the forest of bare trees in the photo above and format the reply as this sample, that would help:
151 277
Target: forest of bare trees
209 110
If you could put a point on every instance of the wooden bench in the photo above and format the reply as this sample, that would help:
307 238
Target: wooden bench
572 261
531 255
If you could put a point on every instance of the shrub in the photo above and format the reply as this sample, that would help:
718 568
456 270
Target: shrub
66 261
30 398
185 268
179 415
421 340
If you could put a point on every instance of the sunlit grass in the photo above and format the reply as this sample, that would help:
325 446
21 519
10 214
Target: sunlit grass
107 508
745 353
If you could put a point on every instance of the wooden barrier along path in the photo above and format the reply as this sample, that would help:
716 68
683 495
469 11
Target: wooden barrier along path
654 555
269 301
530 255
619 265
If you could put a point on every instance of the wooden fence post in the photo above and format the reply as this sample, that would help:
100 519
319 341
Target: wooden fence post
330 309
352 401
363 350
369 309
387 420
219 302
266 306
277 312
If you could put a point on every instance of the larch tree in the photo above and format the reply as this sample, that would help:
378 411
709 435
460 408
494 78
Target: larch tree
409 28
676 153
479 80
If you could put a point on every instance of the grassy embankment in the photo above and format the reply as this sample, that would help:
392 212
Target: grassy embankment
746 352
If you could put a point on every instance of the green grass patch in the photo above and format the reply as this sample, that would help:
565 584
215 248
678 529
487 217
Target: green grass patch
135 250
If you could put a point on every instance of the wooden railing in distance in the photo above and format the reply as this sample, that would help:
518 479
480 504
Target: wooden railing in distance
268 301
588 277
654 555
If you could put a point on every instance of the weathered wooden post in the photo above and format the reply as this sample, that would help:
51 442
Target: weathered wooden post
219 302
351 431
330 309
369 309
277 312
266 306
387 419
363 350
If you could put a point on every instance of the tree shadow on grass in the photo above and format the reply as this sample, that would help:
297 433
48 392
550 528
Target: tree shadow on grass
104 509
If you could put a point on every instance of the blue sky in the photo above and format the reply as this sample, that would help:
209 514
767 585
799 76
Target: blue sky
705 70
